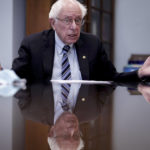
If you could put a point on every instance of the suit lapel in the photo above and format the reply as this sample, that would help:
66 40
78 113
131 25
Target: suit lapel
82 59
48 54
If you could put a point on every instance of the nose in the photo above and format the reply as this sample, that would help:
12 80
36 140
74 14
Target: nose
72 131
73 25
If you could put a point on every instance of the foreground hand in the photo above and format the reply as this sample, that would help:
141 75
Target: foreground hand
145 91
145 69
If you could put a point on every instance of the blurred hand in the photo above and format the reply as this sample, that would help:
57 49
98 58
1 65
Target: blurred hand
145 91
145 69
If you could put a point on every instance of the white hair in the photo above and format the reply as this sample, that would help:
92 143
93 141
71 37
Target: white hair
54 145
59 4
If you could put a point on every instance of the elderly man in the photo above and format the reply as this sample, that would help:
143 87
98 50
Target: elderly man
41 55
65 134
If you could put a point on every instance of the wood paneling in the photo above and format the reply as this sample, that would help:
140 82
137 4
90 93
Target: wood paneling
36 136
37 15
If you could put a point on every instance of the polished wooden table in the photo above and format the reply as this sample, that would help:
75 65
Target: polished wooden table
104 117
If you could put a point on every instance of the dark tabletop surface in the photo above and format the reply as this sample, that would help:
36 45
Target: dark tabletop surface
110 117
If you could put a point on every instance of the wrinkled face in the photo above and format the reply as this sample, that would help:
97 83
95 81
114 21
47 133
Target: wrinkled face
68 33
67 124
66 131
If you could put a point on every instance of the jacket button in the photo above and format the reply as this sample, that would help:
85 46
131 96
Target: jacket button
84 57
83 99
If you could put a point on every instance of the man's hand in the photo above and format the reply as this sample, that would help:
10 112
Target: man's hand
145 91
145 69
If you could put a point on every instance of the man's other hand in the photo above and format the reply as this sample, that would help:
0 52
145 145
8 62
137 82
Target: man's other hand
145 69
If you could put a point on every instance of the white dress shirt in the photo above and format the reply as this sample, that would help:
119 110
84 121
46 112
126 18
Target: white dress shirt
56 75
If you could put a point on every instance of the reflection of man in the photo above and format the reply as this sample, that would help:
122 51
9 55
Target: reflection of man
37 103
40 54
65 134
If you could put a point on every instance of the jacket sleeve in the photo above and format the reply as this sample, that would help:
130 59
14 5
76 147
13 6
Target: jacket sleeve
21 64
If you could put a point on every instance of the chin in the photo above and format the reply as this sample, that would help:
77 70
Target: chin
72 41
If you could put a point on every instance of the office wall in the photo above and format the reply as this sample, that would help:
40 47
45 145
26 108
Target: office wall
132 35
12 29
132 30
6 28
19 23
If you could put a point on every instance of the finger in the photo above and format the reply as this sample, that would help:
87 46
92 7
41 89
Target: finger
147 61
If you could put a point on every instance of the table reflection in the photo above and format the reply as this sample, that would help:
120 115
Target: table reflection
99 117
37 103
145 91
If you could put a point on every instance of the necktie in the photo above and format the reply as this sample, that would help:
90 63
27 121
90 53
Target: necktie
66 75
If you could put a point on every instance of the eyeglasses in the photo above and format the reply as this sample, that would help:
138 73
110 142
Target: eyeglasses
69 21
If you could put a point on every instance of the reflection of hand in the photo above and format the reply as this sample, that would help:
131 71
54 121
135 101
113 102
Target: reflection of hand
145 91
145 69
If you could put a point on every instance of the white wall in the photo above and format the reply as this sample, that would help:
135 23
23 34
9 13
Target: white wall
6 28
12 30
132 35
19 24
132 30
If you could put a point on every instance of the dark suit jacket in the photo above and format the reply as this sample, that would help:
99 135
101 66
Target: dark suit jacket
36 57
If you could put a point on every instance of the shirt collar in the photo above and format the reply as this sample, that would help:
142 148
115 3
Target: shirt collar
60 44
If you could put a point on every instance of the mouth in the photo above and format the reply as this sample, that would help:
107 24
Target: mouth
71 118
72 35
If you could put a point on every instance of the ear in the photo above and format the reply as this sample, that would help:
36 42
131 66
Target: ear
52 23
51 132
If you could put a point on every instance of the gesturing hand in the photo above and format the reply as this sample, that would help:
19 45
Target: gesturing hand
145 69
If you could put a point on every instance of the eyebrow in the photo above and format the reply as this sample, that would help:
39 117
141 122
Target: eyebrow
72 16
